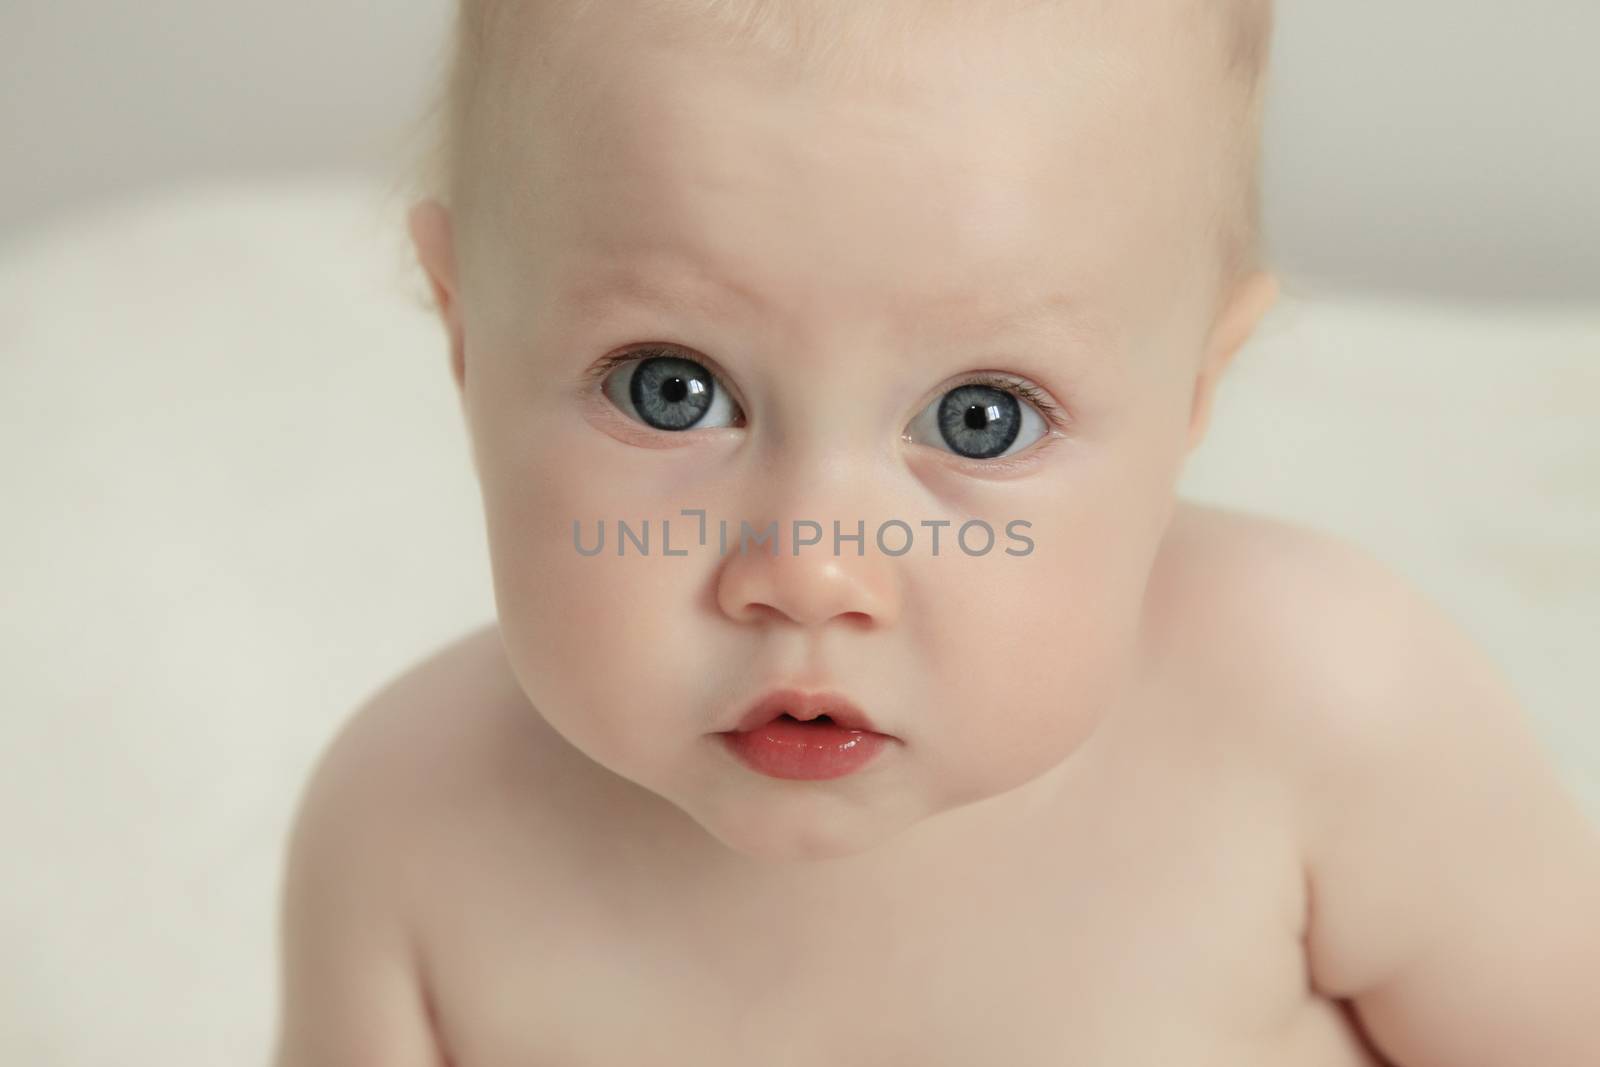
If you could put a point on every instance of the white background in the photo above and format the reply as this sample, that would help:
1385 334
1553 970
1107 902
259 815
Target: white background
1431 146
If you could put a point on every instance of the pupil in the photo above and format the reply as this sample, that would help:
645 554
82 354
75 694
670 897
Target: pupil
671 393
979 422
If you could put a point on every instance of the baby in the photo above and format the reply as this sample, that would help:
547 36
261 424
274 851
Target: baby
860 691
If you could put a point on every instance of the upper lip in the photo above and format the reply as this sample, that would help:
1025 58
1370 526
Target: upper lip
804 705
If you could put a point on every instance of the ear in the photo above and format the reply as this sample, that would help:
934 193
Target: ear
431 235
1233 326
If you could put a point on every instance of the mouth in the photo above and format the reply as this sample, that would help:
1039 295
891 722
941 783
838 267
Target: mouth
802 707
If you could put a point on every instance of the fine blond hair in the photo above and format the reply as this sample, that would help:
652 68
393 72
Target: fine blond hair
853 41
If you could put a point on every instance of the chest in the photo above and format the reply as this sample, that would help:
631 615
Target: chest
1154 926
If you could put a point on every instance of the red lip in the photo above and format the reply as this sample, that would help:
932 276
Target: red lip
805 706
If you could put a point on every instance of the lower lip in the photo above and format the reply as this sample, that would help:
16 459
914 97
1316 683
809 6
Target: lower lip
785 748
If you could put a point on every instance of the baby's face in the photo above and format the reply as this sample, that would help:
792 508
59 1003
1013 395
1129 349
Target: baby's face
820 276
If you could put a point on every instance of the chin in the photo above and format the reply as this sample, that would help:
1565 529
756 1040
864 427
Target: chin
799 851
790 838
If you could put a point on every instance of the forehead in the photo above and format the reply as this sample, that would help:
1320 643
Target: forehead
997 177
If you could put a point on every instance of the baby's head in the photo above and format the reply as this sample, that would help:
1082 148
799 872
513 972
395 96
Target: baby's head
916 269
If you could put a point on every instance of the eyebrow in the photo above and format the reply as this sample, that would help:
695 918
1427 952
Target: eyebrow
1048 306
705 293
688 291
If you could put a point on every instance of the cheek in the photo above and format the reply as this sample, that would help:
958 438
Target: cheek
1026 654
591 637
602 663
1027 651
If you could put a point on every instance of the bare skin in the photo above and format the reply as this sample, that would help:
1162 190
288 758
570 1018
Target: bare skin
1154 912
1184 786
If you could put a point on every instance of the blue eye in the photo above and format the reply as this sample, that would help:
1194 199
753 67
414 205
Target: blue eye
670 393
979 421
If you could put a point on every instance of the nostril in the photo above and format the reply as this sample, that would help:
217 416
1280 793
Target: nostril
759 610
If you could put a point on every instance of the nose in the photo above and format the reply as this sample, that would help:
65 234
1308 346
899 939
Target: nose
811 588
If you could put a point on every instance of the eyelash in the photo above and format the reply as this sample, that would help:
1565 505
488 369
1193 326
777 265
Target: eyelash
1052 414
1048 408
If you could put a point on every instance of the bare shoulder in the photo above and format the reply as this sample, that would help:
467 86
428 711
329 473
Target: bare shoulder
418 732
1434 828
1294 608
1318 643
1330 635
359 862
444 767
448 770
449 735
1214 549
1270 628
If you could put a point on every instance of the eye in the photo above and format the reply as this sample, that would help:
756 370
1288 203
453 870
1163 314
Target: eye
670 393
983 419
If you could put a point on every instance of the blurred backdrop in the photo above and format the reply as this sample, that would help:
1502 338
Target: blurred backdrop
1431 147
